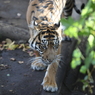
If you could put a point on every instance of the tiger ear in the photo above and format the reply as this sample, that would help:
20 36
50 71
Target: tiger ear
35 23
56 25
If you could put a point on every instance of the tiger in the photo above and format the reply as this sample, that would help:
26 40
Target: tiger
46 34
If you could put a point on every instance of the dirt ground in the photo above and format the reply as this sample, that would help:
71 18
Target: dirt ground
16 76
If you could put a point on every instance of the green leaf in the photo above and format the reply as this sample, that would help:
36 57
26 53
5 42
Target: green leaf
67 22
93 61
83 33
75 62
77 53
72 32
91 40
87 10
88 59
83 69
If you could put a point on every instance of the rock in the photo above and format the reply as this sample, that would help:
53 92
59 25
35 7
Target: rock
16 33
13 19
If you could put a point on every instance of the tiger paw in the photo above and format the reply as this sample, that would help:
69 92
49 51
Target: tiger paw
49 85
38 65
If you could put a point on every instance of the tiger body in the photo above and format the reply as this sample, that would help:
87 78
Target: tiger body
43 18
44 14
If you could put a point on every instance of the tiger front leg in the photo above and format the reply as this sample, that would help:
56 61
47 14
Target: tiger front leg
37 63
49 81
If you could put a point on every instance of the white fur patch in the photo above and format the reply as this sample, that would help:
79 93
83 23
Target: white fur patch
31 24
34 67
38 65
50 88
62 27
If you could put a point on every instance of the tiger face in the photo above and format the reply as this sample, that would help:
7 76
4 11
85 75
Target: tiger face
46 43
49 51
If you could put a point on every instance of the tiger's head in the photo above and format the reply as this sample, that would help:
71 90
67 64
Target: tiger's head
47 43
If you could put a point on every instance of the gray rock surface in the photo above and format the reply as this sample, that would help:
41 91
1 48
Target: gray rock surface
13 18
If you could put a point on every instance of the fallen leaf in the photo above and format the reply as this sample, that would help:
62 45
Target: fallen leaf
6 1
12 59
11 90
12 45
3 66
20 62
25 75
9 41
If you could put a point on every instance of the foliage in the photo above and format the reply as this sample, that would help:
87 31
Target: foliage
84 27
8 44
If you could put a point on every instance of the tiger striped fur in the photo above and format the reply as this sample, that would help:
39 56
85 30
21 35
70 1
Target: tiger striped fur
43 18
